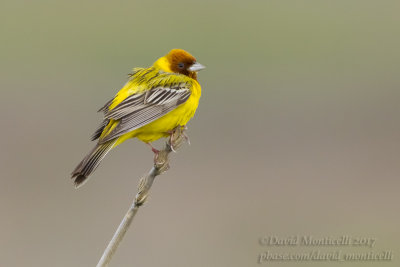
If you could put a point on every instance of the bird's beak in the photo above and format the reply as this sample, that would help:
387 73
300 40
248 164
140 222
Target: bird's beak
196 67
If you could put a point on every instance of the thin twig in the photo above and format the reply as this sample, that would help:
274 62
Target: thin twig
161 164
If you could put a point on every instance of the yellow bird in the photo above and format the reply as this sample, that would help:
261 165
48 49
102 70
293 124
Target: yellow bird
151 104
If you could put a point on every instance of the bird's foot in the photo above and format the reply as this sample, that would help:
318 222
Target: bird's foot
176 137
172 137
155 151
186 137
172 143
183 132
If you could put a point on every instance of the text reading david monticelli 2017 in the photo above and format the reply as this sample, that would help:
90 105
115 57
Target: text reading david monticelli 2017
309 240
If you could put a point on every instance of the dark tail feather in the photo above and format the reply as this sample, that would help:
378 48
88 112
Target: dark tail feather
90 162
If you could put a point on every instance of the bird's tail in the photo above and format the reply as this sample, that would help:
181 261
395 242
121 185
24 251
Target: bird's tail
90 162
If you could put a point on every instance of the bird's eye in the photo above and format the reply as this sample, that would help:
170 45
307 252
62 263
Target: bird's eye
181 65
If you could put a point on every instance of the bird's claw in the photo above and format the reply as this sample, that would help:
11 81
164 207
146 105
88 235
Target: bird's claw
172 140
176 137
186 137
155 151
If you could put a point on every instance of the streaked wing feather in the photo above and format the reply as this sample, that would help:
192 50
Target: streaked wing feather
140 109
100 129
105 107
127 106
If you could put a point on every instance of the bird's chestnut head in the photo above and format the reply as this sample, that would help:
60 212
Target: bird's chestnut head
180 61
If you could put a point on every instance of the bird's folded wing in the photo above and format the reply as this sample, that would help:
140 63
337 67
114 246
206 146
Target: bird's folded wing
142 108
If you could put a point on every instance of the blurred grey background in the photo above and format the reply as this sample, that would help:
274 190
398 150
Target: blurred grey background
297 132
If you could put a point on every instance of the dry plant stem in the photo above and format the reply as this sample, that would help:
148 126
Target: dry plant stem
161 164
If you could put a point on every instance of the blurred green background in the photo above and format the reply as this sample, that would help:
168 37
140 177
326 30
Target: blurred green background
297 132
